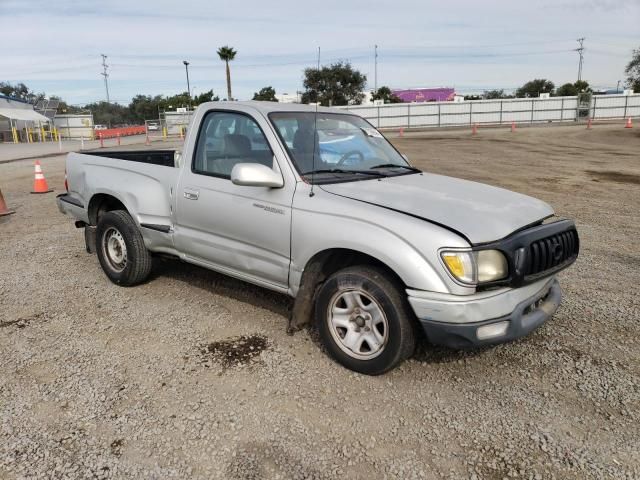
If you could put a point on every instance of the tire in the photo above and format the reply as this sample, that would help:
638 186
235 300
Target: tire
120 248
364 320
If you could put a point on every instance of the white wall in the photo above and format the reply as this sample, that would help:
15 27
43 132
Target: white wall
519 110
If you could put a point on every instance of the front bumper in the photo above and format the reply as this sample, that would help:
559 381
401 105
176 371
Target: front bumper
459 323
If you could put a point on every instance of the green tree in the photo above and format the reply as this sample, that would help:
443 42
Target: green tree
385 94
633 71
573 89
205 97
177 100
145 107
535 87
567 90
227 54
266 94
110 114
337 84
582 86
20 91
494 94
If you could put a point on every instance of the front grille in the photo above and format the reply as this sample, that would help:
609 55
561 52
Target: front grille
551 253
535 252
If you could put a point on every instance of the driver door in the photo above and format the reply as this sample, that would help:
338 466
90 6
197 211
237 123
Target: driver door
239 230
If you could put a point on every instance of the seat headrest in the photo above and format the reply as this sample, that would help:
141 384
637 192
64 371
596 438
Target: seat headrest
236 145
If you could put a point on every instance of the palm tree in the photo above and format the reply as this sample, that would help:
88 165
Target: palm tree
227 54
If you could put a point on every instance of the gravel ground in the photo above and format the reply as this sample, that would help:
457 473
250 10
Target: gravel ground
191 375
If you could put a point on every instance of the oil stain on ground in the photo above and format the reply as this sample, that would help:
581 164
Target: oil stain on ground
236 351
116 447
617 177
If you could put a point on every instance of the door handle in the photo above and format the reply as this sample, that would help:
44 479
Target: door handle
191 194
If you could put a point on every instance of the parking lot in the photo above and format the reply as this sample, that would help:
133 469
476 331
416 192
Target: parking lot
192 374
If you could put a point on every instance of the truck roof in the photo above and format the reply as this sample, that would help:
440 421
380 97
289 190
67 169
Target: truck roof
269 107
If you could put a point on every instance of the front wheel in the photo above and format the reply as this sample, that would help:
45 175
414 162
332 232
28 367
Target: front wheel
364 320
121 250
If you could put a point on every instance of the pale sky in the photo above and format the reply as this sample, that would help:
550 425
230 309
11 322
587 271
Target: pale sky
55 46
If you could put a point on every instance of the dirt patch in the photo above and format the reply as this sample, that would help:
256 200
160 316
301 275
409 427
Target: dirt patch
21 322
234 351
617 177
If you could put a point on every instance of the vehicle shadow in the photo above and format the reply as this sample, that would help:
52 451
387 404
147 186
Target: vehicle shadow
219 284
280 304
428 353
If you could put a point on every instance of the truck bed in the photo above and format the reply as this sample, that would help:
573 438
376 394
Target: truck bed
153 157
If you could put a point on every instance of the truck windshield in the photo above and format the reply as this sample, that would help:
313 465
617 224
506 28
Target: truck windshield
336 145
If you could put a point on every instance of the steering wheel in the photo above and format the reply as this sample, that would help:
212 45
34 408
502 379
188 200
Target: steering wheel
350 153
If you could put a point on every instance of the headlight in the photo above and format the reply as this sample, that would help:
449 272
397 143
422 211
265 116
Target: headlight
476 267
492 265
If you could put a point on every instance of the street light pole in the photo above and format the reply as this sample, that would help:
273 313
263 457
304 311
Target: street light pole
186 68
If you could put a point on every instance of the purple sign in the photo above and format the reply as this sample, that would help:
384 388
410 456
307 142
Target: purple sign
426 95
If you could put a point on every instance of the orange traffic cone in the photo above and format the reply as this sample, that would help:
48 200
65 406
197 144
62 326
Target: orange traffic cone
513 126
401 132
589 124
474 129
3 207
628 124
39 183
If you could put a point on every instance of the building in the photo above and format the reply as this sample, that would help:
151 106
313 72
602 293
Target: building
289 98
419 95
19 122
176 123
74 126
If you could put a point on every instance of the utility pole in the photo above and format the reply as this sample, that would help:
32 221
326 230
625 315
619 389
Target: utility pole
580 49
105 75
375 70
186 67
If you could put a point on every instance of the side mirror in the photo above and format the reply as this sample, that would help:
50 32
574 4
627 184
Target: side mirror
255 175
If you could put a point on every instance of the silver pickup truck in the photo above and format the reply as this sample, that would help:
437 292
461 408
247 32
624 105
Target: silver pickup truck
319 205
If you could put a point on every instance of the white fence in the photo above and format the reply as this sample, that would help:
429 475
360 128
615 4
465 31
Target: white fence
519 110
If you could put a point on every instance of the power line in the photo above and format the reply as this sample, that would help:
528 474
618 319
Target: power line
580 50
393 54
105 74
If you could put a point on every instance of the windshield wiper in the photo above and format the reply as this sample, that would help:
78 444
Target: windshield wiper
341 170
395 165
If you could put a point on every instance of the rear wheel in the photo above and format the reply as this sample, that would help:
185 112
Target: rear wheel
120 248
364 320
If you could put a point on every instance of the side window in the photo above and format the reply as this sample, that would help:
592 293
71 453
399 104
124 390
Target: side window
228 138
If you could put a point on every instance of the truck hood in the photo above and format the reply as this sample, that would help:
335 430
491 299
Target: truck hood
479 212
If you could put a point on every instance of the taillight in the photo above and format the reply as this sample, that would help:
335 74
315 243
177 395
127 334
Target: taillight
66 184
